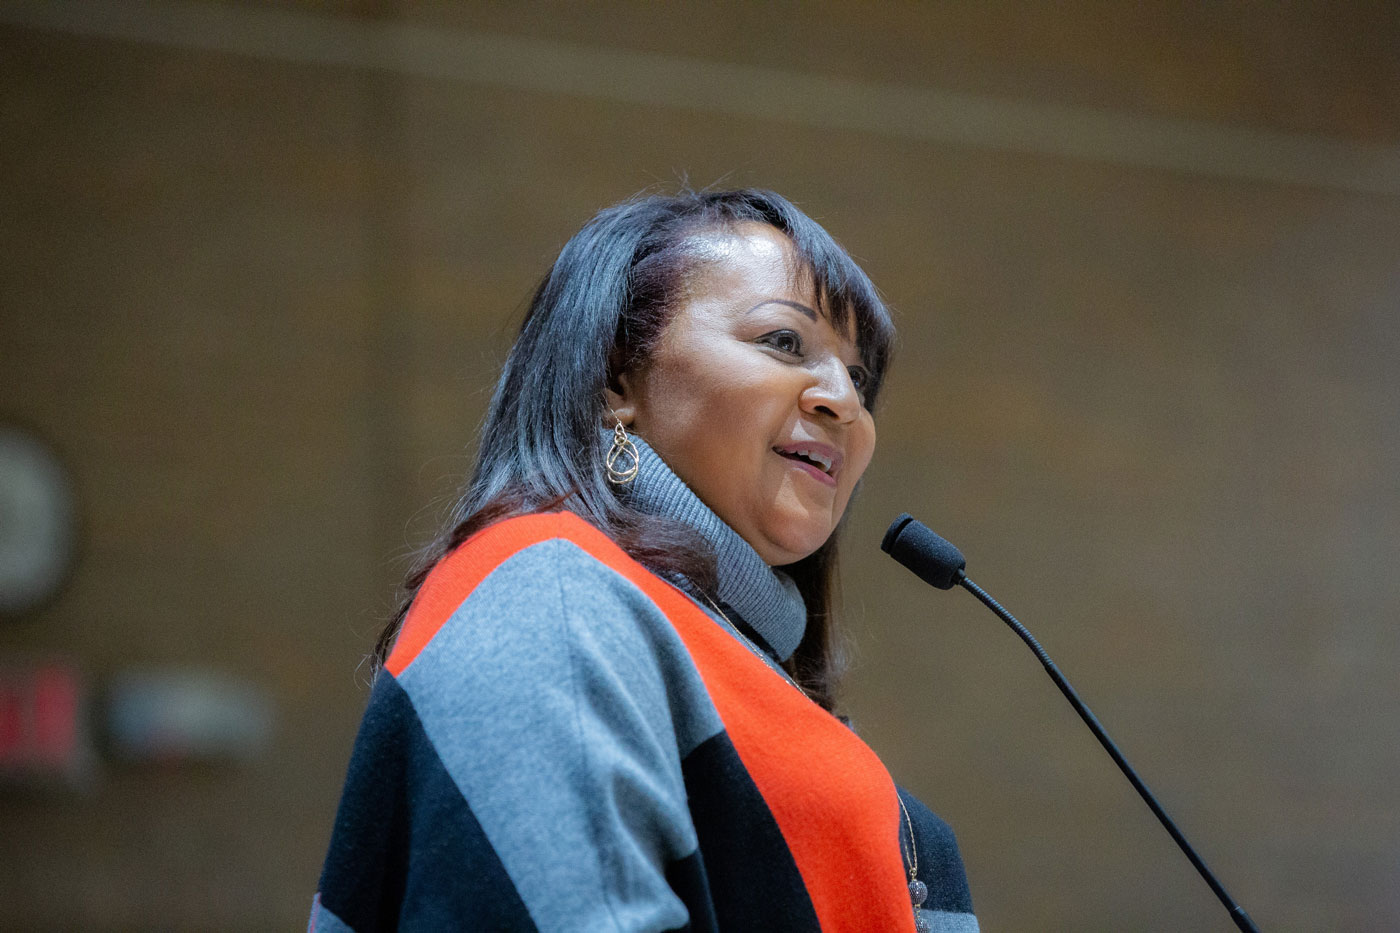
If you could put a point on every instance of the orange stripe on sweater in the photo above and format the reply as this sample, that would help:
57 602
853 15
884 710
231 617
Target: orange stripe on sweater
831 796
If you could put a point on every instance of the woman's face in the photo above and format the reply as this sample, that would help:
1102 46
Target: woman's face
753 397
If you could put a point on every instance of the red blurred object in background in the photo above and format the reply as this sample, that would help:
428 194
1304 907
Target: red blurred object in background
44 736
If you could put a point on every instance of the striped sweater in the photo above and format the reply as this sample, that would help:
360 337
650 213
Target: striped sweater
562 740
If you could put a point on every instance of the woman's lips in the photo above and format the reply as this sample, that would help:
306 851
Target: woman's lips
813 471
802 455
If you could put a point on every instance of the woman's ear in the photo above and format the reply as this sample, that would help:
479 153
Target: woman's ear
620 395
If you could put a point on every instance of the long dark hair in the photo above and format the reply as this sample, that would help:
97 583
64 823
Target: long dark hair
598 313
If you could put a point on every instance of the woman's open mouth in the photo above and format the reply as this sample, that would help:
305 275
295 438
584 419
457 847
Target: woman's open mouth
820 461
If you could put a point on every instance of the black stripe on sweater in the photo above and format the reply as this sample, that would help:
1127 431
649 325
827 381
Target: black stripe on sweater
447 876
744 860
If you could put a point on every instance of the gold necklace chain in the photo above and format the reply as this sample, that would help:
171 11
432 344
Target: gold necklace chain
918 891
913 850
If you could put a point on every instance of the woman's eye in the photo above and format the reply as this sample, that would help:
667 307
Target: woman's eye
860 378
786 341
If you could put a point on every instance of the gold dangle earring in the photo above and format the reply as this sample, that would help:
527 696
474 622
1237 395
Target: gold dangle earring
622 462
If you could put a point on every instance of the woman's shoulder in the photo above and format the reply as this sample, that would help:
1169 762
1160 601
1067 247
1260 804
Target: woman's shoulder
533 569
545 542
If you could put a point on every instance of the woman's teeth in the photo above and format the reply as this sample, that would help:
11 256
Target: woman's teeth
817 460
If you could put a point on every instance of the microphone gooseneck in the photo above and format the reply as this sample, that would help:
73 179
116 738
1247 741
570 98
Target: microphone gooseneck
938 563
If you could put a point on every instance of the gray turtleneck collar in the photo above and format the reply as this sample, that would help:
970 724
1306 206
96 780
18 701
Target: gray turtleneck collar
765 599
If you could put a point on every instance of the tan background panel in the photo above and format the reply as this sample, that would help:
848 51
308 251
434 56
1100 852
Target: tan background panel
256 283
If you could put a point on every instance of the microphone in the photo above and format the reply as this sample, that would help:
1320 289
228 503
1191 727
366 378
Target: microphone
914 545
940 564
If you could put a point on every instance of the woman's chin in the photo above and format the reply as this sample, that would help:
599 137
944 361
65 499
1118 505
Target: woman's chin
790 544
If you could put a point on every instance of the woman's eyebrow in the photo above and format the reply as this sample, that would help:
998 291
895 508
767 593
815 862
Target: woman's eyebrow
781 301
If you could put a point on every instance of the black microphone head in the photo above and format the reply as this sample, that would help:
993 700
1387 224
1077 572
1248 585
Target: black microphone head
915 545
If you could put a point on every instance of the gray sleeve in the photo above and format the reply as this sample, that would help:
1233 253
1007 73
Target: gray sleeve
560 700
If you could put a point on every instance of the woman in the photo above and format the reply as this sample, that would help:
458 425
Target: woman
602 707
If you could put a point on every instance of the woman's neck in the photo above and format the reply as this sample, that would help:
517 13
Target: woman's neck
766 600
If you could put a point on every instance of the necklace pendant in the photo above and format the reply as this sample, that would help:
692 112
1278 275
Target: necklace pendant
918 893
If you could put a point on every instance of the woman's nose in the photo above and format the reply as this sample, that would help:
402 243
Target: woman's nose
832 392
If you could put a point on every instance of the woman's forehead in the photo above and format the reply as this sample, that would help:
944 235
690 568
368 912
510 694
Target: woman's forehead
758 258
748 243
748 256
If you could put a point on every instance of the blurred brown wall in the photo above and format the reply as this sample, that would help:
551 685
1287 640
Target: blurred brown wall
256 275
